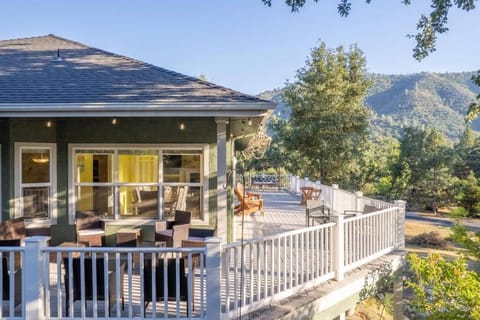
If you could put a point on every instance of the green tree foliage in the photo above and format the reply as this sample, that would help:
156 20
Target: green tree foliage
471 243
468 194
375 168
422 173
474 108
443 289
328 123
463 150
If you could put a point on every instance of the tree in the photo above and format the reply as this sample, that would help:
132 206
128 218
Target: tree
468 194
328 122
424 163
375 176
443 289
428 26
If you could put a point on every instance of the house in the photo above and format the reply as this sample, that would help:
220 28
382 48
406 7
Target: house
86 129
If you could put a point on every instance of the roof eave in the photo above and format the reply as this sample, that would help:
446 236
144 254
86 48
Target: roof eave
224 109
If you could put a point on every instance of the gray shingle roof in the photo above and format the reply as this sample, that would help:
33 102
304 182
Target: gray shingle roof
31 74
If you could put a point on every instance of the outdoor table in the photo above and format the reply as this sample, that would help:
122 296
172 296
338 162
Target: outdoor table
307 194
128 237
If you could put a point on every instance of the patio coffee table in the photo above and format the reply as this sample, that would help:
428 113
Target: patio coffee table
128 237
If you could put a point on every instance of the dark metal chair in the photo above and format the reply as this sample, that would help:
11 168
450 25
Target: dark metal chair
89 285
173 232
316 211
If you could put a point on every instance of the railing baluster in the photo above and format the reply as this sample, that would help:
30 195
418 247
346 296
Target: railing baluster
259 266
107 284
251 262
1 282
46 279
265 272
235 278
130 293
142 284
94 280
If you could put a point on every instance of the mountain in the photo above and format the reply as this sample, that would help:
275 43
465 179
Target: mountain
437 100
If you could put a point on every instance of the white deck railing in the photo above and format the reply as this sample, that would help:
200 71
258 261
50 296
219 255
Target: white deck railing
260 271
229 280
11 282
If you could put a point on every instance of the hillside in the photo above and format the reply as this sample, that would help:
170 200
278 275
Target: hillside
437 100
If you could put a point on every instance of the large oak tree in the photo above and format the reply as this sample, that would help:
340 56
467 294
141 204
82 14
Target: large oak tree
328 122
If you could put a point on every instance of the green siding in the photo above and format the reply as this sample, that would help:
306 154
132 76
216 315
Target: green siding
99 130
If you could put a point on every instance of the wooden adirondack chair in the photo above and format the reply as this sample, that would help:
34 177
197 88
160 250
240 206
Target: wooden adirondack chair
252 202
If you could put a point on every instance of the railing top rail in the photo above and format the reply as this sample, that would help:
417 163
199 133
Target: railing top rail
371 214
276 236
10 249
126 249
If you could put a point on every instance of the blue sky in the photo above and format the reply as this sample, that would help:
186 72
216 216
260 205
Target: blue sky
242 44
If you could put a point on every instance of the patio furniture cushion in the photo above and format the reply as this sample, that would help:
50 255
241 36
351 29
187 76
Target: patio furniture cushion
89 232
12 229
173 237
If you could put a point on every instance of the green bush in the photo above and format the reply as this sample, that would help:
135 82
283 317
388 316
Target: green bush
431 239
459 212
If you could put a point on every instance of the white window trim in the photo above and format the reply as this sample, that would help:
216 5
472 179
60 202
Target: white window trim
161 147
18 203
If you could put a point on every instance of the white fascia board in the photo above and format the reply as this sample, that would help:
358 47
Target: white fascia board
136 109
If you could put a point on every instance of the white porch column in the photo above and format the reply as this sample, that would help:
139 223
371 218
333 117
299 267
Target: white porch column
222 221
33 277
297 184
334 197
338 247
358 201
214 278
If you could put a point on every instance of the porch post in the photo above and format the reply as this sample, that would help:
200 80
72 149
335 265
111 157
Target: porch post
401 204
358 200
222 220
338 247
213 277
334 196
297 184
33 277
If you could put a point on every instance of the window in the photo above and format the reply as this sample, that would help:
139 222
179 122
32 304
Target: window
182 187
35 181
124 182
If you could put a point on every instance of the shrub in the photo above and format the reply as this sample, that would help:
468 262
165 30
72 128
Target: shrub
459 212
431 239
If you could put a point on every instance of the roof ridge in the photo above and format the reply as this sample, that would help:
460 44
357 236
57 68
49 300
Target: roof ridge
26 38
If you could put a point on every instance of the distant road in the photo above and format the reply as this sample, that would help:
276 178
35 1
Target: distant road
444 222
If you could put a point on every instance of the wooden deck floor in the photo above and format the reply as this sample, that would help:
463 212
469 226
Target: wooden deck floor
283 212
